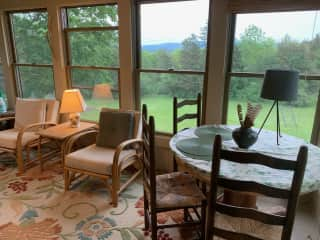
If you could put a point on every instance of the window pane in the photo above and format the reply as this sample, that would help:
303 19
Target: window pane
93 16
86 80
3 95
283 40
36 82
296 118
158 90
30 37
94 48
177 41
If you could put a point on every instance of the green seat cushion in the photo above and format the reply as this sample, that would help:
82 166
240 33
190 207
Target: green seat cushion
114 128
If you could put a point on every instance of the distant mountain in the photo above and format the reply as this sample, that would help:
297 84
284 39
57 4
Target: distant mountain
169 46
164 46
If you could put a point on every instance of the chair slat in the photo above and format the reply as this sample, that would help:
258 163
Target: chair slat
249 186
257 158
187 102
187 116
251 213
232 235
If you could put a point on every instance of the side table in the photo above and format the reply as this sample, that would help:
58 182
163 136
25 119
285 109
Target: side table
60 133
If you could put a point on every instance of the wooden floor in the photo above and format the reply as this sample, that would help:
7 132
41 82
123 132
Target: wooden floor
307 221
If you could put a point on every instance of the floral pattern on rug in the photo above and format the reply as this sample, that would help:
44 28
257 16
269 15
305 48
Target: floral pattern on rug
34 206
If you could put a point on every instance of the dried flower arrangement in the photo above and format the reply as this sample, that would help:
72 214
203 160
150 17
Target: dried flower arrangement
251 115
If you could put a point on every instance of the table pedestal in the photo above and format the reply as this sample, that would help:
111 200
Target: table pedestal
240 199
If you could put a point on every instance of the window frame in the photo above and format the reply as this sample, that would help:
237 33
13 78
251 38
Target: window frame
15 63
315 133
138 59
69 67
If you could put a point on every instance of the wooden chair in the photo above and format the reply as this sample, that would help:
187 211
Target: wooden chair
180 118
167 192
30 116
216 209
105 162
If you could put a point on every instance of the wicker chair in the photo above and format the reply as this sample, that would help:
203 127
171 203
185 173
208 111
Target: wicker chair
30 115
105 162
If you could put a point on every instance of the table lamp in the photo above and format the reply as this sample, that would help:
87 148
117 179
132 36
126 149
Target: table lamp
102 91
72 102
279 85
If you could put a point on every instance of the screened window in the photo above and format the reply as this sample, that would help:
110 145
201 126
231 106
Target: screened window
93 55
3 95
172 56
32 54
282 40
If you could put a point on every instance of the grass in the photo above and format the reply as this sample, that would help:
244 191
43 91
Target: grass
295 121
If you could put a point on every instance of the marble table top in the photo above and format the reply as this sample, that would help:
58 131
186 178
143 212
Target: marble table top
266 144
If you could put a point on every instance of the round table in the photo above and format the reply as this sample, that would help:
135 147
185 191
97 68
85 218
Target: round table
200 166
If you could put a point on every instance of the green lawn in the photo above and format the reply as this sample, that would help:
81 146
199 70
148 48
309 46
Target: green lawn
294 121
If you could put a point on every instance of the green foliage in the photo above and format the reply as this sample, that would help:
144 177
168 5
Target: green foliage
253 52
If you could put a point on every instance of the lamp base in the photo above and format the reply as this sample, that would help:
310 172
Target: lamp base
275 103
74 119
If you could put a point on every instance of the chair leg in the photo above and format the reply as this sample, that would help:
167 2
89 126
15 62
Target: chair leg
19 159
175 165
153 225
185 215
115 186
66 179
203 219
114 197
146 213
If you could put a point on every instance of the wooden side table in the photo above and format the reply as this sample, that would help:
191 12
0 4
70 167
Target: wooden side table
61 133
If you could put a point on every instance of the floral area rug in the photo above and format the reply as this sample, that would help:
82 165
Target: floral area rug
34 206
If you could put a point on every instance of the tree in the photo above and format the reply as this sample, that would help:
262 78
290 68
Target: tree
257 52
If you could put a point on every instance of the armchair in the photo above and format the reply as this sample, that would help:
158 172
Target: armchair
103 160
30 116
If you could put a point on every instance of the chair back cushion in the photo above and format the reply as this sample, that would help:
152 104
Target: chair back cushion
52 110
29 111
114 128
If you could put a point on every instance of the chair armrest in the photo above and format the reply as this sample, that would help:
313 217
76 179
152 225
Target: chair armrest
28 127
71 142
7 118
43 125
122 146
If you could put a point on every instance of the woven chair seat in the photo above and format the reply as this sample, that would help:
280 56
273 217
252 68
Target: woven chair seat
177 189
247 226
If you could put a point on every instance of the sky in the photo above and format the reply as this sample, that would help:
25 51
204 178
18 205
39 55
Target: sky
173 22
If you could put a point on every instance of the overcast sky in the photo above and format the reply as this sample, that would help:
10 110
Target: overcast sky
173 22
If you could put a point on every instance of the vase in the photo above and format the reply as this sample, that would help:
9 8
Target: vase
244 137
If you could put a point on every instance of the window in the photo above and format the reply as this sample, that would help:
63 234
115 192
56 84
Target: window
93 55
32 54
282 40
172 55
3 95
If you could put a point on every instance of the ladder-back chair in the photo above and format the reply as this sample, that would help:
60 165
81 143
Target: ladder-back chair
216 208
167 192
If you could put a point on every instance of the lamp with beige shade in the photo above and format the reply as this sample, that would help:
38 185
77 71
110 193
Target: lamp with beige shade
102 91
73 103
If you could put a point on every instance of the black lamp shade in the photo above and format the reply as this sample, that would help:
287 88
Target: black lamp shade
281 85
